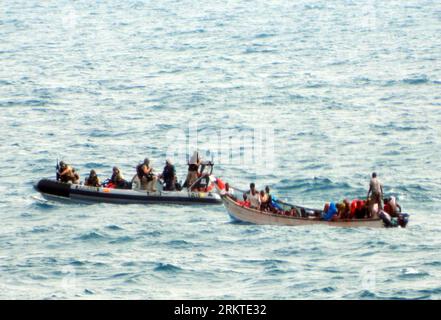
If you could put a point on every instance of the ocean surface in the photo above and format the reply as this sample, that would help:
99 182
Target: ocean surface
339 89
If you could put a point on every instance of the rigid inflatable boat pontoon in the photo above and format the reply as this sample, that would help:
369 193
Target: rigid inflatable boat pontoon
55 190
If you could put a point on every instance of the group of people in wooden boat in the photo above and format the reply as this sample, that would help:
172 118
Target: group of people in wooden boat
144 178
374 207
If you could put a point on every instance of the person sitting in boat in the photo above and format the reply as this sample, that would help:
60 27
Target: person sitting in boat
169 176
245 203
66 173
392 207
253 197
330 211
76 176
376 192
228 191
193 167
272 201
352 209
343 209
118 180
92 180
266 200
136 180
362 210
263 200
148 179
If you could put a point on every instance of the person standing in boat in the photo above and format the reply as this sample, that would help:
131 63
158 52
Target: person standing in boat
193 167
148 179
137 178
253 197
376 193
169 176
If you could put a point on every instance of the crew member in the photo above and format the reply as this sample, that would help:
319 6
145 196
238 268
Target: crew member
376 192
92 180
169 176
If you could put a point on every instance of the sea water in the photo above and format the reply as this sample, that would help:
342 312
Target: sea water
337 89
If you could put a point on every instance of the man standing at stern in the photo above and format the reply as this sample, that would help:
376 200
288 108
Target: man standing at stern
376 190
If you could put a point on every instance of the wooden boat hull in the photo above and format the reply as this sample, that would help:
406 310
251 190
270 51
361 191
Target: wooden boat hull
253 216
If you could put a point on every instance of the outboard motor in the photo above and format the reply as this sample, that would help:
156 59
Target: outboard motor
403 219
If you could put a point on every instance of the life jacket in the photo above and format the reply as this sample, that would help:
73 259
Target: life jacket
110 185
220 184
353 207
244 203
360 211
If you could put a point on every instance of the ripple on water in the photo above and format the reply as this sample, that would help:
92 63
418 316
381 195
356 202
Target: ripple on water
91 236
153 234
166 267
179 244
88 291
366 294
41 229
44 205
411 273
114 227
77 263
121 240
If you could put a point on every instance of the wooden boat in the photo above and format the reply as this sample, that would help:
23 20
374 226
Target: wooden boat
244 214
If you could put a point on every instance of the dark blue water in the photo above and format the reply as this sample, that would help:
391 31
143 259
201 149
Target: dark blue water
340 89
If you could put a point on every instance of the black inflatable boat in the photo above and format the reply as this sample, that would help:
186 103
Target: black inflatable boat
55 190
